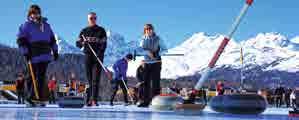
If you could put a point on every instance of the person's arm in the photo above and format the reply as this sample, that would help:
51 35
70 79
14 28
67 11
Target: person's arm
162 46
116 69
103 40
53 44
138 74
80 41
23 42
123 70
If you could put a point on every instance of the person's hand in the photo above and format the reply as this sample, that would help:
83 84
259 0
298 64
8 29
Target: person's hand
56 55
151 55
28 56
84 43
139 83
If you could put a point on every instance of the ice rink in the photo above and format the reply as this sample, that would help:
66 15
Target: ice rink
120 112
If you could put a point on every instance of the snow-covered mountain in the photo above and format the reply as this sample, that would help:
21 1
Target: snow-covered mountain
117 47
267 56
65 48
263 54
197 51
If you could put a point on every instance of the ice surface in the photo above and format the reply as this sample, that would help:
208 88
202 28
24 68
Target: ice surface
120 112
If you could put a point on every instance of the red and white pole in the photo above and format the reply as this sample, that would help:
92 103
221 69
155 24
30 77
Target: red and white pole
223 44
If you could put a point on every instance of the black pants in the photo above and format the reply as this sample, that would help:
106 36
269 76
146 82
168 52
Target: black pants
152 77
52 99
91 63
287 100
40 70
88 93
21 96
115 84
278 101
141 92
294 103
204 96
135 95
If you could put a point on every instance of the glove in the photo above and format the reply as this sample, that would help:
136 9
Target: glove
151 55
28 56
84 43
56 55
139 84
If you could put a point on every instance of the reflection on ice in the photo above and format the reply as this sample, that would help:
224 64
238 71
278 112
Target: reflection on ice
119 112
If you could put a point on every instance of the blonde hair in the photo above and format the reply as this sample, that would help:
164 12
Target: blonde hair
148 26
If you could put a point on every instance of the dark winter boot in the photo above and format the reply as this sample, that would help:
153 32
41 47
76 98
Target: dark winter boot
111 103
143 104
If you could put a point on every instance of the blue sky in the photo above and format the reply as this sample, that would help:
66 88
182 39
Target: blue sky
175 20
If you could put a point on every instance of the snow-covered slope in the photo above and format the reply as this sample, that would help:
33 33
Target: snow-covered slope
117 47
64 47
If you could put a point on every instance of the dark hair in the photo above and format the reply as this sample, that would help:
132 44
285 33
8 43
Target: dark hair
129 56
33 8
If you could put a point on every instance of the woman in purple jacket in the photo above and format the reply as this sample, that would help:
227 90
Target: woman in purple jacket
37 43
120 77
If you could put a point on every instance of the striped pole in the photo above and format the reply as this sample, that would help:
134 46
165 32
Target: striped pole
242 66
225 41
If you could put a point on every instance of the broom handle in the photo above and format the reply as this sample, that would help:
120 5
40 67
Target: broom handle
33 80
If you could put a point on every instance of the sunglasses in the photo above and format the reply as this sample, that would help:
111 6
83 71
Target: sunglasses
148 28
93 18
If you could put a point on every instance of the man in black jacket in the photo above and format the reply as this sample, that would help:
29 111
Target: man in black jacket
96 37
279 94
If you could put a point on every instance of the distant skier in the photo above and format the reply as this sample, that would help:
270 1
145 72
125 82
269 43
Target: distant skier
279 95
20 86
174 88
203 95
120 68
219 88
191 96
97 38
287 97
152 45
81 89
73 85
52 85
37 43
293 99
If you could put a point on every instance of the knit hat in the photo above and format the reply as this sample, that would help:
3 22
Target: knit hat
129 56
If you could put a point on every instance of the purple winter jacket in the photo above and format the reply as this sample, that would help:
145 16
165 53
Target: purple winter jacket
120 68
37 40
